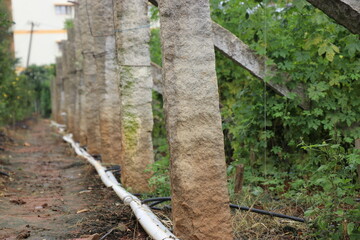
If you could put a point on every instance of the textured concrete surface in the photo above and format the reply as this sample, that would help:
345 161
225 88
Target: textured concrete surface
193 122
65 81
132 38
102 26
78 75
91 90
57 92
71 85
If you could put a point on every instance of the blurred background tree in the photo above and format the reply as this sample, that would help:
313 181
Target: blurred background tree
26 93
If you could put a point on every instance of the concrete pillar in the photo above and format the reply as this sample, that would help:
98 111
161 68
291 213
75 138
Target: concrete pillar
102 26
78 75
71 73
65 82
200 198
132 40
56 91
59 91
53 97
90 81
81 97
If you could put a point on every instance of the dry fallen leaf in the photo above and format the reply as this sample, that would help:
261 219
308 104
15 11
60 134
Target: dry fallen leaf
84 191
82 210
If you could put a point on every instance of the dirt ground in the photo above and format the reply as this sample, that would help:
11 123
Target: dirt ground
52 194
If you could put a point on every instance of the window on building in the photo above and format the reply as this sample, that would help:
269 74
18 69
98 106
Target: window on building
63 9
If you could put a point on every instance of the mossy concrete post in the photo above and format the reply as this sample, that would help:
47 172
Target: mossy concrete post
200 200
90 81
132 40
102 26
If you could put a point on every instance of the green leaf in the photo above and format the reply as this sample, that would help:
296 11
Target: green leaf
350 228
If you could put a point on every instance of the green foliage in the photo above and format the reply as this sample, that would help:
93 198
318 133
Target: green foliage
262 129
13 91
69 23
312 50
155 46
329 189
38 80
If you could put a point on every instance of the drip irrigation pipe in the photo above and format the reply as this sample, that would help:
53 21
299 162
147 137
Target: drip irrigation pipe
159 200
147 219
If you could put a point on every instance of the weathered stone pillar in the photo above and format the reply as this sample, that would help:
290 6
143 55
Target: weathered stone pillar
65 82
90 82
71 92
81 97
102 26
59 91
78 75
132 39
53 98
200 198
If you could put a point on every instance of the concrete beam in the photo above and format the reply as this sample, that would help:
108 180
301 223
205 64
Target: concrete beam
344 12
235 49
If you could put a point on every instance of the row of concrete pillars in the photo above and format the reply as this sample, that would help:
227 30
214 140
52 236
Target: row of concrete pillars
103 93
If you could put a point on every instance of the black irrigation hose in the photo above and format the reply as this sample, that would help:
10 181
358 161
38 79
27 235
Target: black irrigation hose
4 173
255 210
162 199
159 200
156 203
114 168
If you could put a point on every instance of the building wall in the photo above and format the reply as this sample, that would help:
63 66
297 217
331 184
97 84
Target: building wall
48 29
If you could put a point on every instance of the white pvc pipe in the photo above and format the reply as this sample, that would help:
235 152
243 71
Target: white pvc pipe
148 220
61 127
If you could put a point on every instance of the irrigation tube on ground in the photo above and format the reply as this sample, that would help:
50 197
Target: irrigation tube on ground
151 224
158 200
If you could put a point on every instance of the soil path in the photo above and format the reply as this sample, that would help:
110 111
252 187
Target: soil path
52 194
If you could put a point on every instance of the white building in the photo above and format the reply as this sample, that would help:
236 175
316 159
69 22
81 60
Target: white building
48 17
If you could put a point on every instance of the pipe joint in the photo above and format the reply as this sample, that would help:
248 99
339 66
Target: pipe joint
128 199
